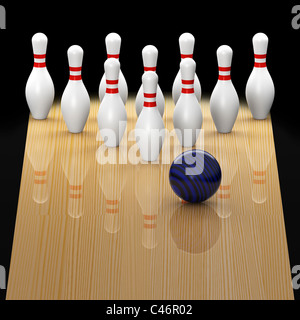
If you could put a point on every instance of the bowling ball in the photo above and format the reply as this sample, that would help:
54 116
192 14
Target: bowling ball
195 176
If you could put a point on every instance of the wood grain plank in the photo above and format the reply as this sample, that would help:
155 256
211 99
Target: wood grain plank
87 228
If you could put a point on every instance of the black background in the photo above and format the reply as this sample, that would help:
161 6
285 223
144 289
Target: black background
139 23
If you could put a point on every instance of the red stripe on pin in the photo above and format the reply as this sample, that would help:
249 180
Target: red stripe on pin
39 56
39 64
184 90
112 81
260 64
225 69
187 81
149 104
149 68
260 56
75 69
149 95
183 56
75 78
224 78
112 90
116 56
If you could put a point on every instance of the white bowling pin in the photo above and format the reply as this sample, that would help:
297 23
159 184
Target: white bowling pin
224 101
113 45
112 116
260 89
186 44
187 117
149 54
150 129
39 88
75 101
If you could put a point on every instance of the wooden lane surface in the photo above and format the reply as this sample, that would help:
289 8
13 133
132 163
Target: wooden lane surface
94 223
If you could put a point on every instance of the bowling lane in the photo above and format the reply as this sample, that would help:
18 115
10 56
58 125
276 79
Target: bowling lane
96 223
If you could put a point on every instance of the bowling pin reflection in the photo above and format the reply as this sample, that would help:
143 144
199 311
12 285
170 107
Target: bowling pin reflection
258 135
40 152
75 164
195 228
149 193
112 176
227 156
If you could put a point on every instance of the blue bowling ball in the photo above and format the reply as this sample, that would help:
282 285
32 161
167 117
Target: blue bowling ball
195 176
